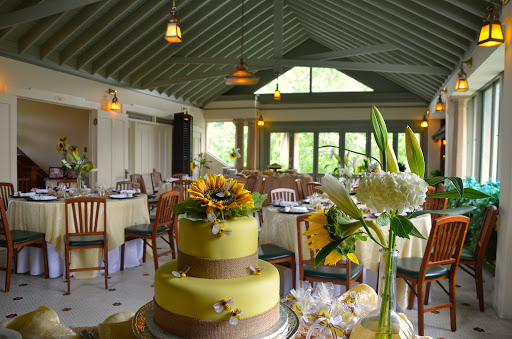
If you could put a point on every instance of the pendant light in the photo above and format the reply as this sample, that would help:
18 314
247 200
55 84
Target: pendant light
241 77
114 105
491 33
260 121
462 79
440 107
424 122
277 92
173 33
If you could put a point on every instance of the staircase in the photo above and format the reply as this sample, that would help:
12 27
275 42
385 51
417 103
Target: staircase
29 173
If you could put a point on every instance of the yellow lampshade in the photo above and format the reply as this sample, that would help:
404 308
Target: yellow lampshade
440 106
114 106
424 123
260 122
241 77
277 95
491 34
444 141
461 85
173 33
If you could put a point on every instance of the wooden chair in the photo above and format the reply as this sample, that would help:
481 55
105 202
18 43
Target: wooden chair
182 186
165 224
24 184
440 187
474 260
260 212
14 240
83 231
444 247
152 198
311 188
127 185
298 189
343 273
135 177
179 175
68 183
282 194
156 177
6 190
435 204
250 183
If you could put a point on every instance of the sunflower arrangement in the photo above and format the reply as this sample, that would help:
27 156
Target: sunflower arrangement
218 197
235 153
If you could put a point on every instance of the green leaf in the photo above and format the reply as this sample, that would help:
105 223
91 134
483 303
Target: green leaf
324 252
416 233
383 219
401 226
435 180
414 154
457 182
448 211
380 131
469 193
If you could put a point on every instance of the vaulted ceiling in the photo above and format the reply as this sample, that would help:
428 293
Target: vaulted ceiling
412 46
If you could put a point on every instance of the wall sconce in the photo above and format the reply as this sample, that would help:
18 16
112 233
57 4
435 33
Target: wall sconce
424 122
440 107
277 92
260 121
491 33
462 79
444 141
114 105
173 33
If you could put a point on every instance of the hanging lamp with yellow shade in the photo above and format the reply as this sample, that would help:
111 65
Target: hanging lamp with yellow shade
491 33
277 92
173 33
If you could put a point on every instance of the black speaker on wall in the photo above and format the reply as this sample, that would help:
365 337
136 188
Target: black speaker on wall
182 143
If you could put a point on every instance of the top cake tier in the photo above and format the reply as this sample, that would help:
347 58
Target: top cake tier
197 239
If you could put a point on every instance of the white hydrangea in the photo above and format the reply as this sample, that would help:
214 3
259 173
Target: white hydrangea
385 191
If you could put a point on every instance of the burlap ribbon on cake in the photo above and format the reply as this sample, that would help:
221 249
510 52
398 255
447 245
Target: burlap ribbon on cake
199 329
217 268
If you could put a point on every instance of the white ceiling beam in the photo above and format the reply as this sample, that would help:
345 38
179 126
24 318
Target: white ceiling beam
350 52
477 8
278 31
449 11
41 10
72 26
27 40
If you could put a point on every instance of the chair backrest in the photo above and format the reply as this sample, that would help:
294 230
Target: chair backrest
435 204
179 175
301 239
6 190
127 185
68 183
312 188
485 233
250 183
262 186
182 186
4 224
135 177
282 194
440 187
142 184
86 212
156 177
298 188
164 213
445 242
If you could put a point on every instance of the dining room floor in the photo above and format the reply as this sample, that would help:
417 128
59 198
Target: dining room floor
90 303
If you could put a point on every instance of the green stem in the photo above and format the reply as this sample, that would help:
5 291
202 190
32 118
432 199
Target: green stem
377 230
384 329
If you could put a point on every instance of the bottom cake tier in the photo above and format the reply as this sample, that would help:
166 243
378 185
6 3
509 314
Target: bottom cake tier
184 306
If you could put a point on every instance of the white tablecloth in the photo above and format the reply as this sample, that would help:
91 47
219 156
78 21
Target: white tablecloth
281 229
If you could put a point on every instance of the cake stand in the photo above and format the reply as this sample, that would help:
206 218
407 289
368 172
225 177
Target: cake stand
145 328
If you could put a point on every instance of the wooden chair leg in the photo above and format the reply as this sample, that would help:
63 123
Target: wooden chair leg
412 296
66 262
8 269
453 308
421 308
155 254
16 260
144 248
479 287
294 272
427 292
122 256
105 256
45 258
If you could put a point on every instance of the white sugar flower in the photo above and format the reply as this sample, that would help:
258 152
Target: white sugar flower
385 191
375 167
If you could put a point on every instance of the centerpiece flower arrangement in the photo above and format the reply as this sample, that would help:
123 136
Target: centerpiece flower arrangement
384 189
216 199
78 163
201 162
235 153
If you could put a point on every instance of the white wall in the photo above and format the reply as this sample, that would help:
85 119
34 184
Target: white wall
40 126
8 132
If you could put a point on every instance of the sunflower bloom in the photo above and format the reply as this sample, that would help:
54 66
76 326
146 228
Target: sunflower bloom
232 155
217 193
192 165
60 146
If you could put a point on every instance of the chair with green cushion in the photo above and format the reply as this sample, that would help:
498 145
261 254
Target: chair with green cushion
83 231
277 255
474 260
14 240
6 190
444 247
165 224
341 273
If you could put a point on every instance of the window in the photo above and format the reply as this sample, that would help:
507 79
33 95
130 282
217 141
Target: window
279 149
314 80
303 152
326 164
246 142
221 140
375 152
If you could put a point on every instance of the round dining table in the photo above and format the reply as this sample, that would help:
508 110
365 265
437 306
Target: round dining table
281 229
49 217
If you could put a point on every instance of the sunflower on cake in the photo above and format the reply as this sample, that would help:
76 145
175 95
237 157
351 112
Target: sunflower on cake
217 287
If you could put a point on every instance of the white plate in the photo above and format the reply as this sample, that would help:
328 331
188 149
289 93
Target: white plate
43 198
128 191
7 333
41 190
119 196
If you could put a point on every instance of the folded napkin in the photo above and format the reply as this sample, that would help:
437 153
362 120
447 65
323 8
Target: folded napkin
41 190
288 203
30 194
299 209
128 191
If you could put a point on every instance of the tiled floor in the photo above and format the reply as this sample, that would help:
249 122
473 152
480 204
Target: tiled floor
89 303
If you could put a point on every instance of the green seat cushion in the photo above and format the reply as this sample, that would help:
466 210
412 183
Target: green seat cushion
145 229
153 196
153 201
411 268
20 237
331 272
468 255
86 240
272 252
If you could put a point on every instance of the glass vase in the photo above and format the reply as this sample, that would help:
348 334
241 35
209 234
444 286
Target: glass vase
79 183
384 322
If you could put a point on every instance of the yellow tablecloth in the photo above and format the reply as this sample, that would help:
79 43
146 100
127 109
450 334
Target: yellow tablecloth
164 187
49 217
281 229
